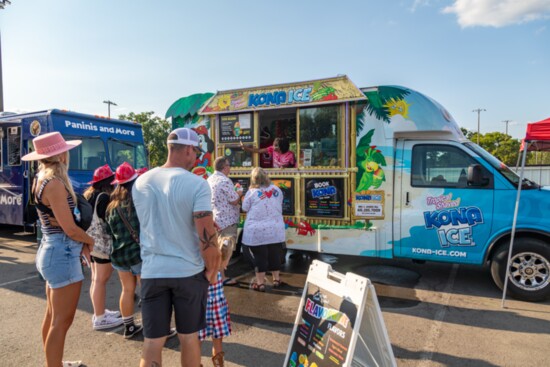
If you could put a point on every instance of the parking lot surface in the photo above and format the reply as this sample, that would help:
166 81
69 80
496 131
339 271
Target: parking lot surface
435 315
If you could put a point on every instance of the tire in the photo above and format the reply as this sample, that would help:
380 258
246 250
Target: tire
529 278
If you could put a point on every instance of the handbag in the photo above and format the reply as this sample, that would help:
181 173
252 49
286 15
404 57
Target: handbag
103 242
129 227
83 212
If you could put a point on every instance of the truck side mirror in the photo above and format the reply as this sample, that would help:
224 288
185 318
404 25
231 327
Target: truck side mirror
475 176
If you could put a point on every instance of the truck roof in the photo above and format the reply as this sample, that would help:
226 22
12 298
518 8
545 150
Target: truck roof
54 111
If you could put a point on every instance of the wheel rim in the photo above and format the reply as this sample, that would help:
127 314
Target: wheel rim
529 271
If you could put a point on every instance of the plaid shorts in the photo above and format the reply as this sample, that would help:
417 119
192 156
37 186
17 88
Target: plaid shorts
218 321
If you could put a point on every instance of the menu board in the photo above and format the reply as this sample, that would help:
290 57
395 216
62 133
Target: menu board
324 330
235 128
238 157
287 187
324 197
14 146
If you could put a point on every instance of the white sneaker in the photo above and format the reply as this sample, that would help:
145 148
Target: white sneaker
115 313
107 322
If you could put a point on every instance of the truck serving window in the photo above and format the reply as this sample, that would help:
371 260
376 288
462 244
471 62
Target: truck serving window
125 151
441 166
320 136
87 156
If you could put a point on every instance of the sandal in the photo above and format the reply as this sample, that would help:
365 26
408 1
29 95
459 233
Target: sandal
278 283
258 287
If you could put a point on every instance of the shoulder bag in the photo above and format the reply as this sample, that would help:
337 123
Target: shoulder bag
131 229
103 242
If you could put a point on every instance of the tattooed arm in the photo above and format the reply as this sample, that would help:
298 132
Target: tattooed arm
208 238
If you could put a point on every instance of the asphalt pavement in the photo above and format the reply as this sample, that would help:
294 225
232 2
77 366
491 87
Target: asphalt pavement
435 315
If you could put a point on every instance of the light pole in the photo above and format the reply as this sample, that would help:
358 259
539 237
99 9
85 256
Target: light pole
3 4
506 122
109 103
478 110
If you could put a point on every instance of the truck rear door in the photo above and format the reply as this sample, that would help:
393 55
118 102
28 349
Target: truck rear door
440 215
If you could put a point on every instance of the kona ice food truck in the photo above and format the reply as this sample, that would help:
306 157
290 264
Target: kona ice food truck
382 172
104 141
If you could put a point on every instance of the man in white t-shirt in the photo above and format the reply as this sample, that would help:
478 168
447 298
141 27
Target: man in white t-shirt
178 248
225 204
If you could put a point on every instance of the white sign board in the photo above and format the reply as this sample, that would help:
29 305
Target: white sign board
339 323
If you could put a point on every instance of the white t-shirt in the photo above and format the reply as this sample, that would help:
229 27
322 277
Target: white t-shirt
264 222
165 200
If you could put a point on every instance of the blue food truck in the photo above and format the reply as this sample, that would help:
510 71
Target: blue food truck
104 141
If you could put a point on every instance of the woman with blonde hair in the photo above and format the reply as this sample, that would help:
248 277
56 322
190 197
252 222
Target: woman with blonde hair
63 242
264 228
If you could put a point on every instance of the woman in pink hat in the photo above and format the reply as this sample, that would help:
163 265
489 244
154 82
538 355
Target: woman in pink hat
98 196
63 242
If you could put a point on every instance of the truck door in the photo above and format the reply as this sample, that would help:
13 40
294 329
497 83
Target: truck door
442 215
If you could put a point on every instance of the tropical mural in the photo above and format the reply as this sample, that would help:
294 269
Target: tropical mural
184 113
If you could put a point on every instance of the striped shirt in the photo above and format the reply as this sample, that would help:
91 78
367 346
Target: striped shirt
45 224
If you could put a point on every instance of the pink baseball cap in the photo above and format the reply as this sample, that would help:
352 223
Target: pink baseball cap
48 145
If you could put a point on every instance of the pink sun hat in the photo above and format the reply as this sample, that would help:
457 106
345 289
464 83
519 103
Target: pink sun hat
48 145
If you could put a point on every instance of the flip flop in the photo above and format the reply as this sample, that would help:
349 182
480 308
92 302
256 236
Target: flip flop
230 282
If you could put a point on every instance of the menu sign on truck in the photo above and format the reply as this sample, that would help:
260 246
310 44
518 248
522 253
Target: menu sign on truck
324 197
287 187
236 128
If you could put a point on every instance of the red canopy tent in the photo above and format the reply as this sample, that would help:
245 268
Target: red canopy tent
537 138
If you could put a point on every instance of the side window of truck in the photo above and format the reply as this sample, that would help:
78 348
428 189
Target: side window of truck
87 156
441 166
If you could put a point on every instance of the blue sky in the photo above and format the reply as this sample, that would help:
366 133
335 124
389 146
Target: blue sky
144 55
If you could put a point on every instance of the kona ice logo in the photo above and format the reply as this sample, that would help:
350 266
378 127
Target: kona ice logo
300 95
453 224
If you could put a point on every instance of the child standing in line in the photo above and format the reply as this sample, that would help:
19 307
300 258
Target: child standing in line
218 321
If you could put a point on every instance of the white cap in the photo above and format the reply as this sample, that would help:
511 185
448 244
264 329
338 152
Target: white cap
185 137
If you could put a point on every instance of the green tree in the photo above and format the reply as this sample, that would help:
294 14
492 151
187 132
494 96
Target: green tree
155 133
502 146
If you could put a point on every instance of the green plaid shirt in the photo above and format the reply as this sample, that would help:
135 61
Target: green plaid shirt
126 252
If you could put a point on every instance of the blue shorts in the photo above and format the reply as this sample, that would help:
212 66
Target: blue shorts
135 269
58 260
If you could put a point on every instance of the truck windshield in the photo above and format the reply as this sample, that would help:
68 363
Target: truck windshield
125 151
501 167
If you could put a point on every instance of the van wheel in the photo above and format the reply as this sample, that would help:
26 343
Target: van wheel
529 278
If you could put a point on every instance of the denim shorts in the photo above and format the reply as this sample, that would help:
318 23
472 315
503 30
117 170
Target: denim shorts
135 269
58 260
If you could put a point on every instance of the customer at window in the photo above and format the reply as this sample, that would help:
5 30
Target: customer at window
283 157
264 228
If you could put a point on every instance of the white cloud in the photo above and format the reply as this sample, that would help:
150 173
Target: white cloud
498 13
